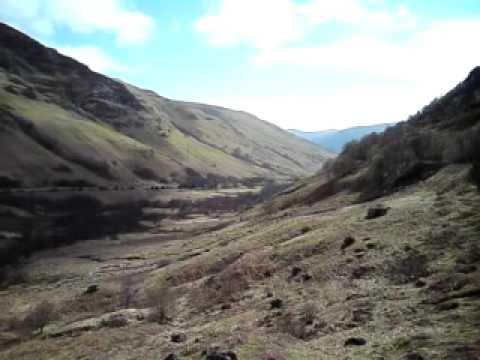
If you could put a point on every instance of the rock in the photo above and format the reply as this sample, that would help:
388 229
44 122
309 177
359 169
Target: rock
420 284
450 283
178 338
295 271
355 341
114 321
172 357
215 353
118 318
306 277
305 229
349 241
362 271
362 316
447 306
376 212
91 289
276 304
414 356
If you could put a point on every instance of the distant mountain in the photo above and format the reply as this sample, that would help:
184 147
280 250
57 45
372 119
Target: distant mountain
61 123
334 140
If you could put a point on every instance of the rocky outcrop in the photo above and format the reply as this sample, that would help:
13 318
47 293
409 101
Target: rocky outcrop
116 319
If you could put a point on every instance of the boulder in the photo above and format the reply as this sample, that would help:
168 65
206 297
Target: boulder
215 353
178 338
355 341
91 289
276 304
349 241
376 212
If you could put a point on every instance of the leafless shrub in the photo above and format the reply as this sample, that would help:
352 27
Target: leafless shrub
127 292
309 313
289 324
103 301
162 301
39 317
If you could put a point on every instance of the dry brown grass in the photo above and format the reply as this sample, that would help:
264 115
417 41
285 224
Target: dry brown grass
235 278
201 267
36 320
85 305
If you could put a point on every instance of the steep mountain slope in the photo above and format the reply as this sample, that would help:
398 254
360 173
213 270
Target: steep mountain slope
334 140
63 123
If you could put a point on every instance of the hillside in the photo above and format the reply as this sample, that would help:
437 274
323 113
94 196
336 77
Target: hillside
334 140
376 257
62 124
445 132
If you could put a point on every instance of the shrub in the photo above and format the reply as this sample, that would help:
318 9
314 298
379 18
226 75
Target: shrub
10 275
162 301
103 301
289 324
127 292
40 316
309 313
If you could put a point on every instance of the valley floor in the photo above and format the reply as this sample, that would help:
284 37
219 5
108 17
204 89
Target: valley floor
317 282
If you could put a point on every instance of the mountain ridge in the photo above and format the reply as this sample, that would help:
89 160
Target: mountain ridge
334 140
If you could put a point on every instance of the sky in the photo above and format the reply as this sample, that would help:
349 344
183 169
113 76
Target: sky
303 64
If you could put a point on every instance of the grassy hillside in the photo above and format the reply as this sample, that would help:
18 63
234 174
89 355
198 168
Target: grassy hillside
311 282
104 131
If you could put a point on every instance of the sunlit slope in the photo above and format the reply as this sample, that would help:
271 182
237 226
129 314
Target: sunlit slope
107 131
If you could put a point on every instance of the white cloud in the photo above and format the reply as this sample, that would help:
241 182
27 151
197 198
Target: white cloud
85 16
440 54
263 23
386 80
276 23
94 57
385 63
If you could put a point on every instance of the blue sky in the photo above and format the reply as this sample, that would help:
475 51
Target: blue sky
305 64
